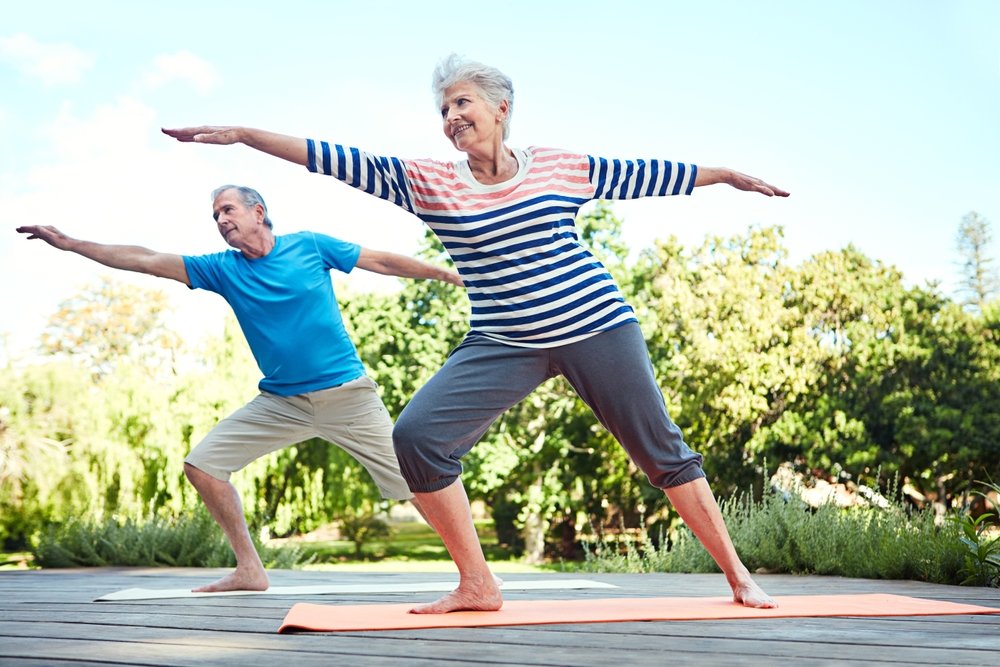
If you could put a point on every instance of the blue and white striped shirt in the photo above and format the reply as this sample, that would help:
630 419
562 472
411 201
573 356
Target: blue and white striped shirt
530 279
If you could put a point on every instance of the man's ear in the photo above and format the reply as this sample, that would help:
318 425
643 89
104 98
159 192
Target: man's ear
259 213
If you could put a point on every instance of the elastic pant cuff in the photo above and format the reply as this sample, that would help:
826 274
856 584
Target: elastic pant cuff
685 476
435 485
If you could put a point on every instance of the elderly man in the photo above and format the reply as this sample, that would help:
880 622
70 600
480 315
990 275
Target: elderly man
314 382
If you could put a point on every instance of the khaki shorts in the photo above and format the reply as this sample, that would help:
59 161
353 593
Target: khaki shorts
350 416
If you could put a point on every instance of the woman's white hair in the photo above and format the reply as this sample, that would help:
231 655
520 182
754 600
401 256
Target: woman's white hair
493 85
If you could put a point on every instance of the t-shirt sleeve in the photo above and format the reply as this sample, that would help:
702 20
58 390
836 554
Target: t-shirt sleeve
383 177
631 179
205 271
336 254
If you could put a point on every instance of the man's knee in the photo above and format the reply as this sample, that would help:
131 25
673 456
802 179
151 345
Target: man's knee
198 478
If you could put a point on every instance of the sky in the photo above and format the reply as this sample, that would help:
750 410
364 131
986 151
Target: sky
882 119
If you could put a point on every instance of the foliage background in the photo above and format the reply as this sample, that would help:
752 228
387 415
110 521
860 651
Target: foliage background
836 366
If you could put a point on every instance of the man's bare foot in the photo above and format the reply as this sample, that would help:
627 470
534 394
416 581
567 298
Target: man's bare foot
240 580
467 597
498 581
749 594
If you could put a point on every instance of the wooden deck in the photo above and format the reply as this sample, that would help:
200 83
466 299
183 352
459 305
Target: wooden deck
47 618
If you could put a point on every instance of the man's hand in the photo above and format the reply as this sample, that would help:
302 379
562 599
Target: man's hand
453 278
47 233
206 134
125 257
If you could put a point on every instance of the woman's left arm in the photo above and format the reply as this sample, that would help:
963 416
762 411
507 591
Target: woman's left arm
630 179
713 175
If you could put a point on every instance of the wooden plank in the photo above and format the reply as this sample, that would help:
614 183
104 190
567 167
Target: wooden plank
156 646
818 632
177 655
214 623
48 662
822 630
655 584
876 645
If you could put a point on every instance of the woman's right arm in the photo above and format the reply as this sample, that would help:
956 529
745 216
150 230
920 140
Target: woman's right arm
380 176
288 148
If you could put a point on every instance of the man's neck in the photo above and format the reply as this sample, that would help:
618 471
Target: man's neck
258 246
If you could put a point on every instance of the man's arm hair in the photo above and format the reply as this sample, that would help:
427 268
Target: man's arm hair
391 264
125 257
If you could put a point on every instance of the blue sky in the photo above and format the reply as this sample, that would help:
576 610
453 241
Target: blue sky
882 119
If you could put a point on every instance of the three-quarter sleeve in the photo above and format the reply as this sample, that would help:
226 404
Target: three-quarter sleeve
630 179
383 177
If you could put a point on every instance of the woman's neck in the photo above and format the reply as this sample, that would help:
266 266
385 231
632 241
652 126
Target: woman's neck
494 165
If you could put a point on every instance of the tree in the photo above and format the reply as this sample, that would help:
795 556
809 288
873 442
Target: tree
979 280
112 321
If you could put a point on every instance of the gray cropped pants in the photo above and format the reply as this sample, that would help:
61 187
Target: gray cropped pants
483 378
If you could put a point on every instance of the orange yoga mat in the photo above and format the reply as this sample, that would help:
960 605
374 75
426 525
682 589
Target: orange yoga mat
340 618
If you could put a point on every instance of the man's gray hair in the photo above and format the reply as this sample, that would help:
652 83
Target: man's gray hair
493 85
248 197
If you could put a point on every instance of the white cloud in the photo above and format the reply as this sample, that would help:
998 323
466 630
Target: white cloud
52 63
184 66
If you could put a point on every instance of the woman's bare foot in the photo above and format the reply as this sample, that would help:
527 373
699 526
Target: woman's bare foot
749 594
245 579
469 596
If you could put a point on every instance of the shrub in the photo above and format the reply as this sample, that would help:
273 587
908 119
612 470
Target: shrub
191 540
784 534
362 526
980 552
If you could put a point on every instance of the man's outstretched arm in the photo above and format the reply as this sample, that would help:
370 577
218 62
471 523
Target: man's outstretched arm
713 175
402 266
288 148
125 257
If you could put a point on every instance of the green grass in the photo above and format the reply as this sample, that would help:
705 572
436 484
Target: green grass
410 542
16 560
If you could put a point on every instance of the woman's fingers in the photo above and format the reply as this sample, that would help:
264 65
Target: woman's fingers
752 184
206 134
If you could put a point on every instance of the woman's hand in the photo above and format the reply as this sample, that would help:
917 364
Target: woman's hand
712 175
288 148
206 134
753 184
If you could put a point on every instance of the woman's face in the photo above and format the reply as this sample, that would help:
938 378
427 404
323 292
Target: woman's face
468 120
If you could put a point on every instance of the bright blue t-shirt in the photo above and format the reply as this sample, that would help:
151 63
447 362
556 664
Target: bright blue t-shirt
284 302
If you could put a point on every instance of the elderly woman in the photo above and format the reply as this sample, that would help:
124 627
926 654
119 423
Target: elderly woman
542 305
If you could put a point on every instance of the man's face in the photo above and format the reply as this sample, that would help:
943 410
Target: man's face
236 222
